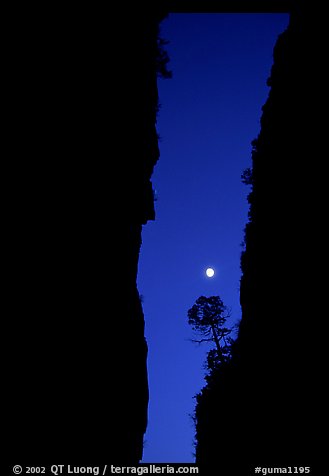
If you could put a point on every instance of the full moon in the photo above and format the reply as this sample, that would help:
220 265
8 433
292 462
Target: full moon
210 272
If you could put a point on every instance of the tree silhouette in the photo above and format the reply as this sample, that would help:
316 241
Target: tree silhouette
162 60
207 318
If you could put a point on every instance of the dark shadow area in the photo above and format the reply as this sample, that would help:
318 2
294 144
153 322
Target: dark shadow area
82 90
260 408
82 105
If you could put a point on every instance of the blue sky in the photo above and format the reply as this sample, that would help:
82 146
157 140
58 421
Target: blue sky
210 112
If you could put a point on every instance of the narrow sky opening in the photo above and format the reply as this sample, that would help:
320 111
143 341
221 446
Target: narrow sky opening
210 112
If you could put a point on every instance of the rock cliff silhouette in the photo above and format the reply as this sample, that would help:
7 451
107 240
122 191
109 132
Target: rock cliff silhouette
82 104
260 409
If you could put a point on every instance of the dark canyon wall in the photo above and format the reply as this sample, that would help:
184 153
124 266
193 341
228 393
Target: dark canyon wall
261 409
81 87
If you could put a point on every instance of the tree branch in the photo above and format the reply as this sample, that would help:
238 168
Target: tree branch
202 340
